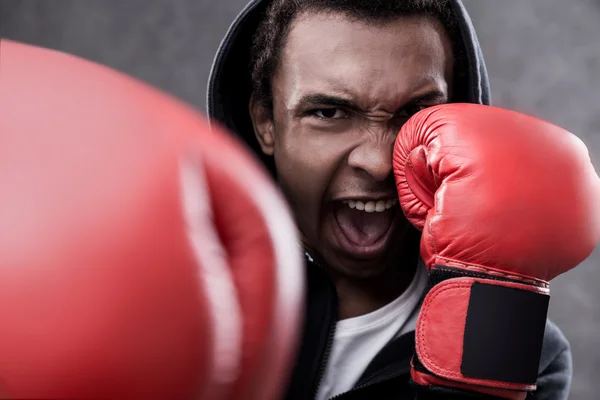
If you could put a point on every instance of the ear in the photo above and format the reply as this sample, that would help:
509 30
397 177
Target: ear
262 121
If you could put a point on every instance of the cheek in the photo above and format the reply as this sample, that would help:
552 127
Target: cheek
306 165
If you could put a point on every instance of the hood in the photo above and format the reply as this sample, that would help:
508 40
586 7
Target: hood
229 85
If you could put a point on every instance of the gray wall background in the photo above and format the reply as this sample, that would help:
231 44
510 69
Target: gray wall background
543 58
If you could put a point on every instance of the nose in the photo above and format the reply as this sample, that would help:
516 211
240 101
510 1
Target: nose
374 156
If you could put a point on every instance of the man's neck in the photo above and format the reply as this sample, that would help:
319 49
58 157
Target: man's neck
362 296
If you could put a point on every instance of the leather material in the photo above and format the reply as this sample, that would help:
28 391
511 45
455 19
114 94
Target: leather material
142 255
441 325
512 192
495 193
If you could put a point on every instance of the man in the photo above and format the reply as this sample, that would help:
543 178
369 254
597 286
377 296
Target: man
318 89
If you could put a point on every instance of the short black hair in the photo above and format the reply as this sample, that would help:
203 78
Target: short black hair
272 32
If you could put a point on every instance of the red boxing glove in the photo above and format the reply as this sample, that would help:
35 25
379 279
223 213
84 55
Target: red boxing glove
142 256
506 202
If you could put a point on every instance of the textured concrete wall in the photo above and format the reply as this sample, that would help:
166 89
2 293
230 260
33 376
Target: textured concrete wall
543 57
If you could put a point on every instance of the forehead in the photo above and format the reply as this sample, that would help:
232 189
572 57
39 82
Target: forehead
332 53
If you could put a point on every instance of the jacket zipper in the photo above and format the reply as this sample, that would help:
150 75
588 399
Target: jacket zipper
328 345
324 361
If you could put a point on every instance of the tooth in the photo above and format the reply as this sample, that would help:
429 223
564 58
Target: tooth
389 204
380 206
360 205
370 206
351 203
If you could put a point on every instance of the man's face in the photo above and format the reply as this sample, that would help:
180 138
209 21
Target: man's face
341 93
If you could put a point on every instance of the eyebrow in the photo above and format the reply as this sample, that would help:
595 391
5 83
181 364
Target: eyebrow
432 95
321 99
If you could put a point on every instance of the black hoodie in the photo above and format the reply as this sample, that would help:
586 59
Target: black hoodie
388 375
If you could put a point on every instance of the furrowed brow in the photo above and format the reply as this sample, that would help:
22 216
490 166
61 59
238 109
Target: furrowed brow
320 99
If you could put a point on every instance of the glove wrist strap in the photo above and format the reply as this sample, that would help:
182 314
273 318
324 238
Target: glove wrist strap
481 330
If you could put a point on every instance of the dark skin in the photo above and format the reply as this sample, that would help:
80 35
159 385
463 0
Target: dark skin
341 93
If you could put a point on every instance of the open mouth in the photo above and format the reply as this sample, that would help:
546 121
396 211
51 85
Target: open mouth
363 227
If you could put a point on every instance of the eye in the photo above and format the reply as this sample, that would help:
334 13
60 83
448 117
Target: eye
329 113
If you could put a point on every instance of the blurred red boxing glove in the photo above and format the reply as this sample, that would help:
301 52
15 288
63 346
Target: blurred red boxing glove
142 256
506 202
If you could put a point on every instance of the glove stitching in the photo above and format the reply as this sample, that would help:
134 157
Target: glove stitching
492 272
429 224
422 345
405 183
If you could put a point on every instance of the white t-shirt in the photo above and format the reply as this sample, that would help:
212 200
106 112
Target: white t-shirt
358 340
